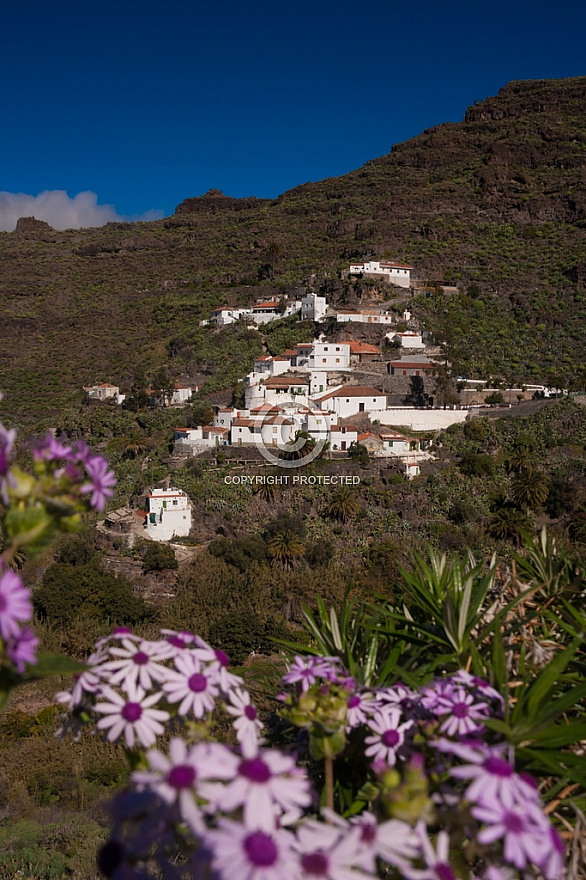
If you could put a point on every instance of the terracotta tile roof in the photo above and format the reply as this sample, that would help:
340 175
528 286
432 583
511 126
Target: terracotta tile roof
265 305
343 428
353 391
412 365
363 348
245 423
394 265
211 429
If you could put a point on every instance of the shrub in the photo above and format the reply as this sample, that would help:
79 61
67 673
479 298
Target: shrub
159 557
87 591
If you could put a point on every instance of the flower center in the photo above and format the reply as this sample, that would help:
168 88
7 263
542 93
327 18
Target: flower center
197 682
131 711
513 822
353 701
250 713
177 642
140 658
498 767
222 658
460 710
255 770
261 849
316 864
182 776
390 738
443 871
3 603
368 833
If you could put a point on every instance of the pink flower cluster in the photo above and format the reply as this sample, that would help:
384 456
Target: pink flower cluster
17 644
133 685
77 468
249 813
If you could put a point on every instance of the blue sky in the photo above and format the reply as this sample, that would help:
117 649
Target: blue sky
146 103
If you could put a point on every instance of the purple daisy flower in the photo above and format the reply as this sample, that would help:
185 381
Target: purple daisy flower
101 481
388 735
131 715
307 670
252 854
191 684
464 715
15 604
21 649
523 827
138 663
266 785
329 854
184 776
247 724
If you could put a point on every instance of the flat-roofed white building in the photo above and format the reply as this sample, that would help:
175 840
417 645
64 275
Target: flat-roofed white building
349 400
313 307
168 514
407 339
391 271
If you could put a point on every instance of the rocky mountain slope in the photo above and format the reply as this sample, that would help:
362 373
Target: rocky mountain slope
496 204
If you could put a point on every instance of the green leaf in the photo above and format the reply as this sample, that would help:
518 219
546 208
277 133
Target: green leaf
54 664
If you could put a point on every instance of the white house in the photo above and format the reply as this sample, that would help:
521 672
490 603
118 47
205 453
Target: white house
407 339
389 270
366 316
226 315
329 356
398 444
349 400
278 390
168 514
105 391
342 437
313 307
264 312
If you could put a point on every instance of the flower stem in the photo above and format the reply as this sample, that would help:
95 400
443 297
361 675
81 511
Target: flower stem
329 768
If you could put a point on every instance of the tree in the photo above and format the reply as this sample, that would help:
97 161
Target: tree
286 548
508 524
530 488
343 504
494 399
159 557
296 454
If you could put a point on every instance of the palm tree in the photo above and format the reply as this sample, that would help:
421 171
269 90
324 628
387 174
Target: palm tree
529 489
286 549
508 524
343 504
303 450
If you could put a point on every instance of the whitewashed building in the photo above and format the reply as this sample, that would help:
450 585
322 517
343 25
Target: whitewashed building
168 514
342 437
388 270
313 307
407 339
349 400
366 316
105 391
226 315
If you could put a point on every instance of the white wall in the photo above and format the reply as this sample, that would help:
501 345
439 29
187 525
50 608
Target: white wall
419 419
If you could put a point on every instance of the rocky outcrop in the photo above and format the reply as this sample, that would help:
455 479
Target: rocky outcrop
214 202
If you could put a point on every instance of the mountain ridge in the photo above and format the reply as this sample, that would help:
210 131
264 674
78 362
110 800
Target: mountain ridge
496 202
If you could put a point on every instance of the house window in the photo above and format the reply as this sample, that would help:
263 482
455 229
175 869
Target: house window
337 360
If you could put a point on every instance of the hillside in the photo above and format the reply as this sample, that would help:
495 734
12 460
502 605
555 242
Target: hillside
496 204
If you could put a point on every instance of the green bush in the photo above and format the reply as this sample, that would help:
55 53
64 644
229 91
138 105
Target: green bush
87 591
159 557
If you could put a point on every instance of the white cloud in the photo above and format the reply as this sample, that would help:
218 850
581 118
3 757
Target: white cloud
60 211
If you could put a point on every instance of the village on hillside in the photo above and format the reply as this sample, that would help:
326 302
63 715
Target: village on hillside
343 393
